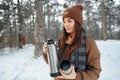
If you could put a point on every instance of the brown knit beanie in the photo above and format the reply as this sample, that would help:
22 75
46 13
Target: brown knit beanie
74 12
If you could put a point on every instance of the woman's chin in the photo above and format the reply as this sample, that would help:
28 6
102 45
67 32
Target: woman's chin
68 31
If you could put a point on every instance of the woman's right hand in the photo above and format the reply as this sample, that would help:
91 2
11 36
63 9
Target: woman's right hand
45 48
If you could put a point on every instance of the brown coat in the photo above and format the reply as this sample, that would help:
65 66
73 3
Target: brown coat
93 60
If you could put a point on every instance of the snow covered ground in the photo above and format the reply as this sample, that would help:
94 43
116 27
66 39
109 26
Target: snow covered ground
110 59
20 64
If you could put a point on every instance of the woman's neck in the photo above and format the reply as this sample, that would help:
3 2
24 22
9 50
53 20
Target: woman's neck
72 34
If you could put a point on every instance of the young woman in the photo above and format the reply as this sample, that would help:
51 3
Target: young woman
75 46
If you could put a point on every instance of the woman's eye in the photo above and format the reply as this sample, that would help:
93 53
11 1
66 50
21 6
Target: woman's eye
69 21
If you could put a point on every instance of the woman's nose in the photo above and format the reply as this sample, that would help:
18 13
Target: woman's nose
66 24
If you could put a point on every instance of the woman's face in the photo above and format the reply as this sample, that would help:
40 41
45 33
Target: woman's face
69 25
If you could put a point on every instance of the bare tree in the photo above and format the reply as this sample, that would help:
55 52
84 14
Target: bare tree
39 28
104 23
20 25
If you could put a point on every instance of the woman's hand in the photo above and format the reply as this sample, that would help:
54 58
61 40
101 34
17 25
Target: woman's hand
72 75
45 48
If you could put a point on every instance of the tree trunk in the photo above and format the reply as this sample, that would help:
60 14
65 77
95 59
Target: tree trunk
39 28
104 25
20 26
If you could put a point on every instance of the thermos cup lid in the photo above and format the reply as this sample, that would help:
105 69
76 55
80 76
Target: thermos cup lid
65 64
50 41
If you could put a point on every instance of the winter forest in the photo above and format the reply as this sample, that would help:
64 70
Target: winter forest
33 21
36 20
26 24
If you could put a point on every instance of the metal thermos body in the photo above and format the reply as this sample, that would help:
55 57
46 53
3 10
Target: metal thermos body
52 59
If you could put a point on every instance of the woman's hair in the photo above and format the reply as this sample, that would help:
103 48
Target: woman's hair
77 37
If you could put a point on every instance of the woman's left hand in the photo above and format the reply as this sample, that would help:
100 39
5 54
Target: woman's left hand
72 75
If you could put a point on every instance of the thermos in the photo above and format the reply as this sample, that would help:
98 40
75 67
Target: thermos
52 59
65 66
54 66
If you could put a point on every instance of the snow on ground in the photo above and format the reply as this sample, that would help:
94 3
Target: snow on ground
20 64
110 59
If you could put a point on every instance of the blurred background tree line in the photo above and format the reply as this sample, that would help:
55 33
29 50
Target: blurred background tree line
38 20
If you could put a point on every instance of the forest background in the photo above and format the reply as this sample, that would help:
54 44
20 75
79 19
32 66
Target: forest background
38 20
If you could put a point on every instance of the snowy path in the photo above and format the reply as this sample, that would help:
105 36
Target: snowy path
21 65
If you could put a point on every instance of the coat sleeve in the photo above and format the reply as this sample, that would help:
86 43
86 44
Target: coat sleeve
93 62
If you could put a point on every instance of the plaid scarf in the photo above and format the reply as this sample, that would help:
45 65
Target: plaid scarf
79 55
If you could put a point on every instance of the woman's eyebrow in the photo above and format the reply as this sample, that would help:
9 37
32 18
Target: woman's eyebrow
69 19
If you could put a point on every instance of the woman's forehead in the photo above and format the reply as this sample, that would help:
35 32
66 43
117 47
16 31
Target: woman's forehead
68 18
